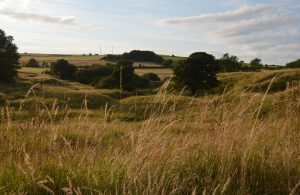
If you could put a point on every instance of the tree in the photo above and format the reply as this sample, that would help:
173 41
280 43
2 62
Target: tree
63 69
197 72
140 82
9 58
256 64
229 63
108 82
124 77
33 63
92 74
294 64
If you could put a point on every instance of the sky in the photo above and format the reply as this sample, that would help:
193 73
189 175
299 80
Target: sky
268 29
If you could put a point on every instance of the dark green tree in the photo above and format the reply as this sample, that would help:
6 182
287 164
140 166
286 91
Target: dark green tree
33 63
294 64
108 82
92 74
197 72
140 82
229 63
124 77
63 69
9 58
256 64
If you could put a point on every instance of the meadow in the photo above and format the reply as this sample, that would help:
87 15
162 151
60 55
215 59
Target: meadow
83 60
61 137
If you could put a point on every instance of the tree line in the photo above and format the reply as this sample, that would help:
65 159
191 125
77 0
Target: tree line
109 76
197 72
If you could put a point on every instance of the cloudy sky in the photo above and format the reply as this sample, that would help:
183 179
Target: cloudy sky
268 29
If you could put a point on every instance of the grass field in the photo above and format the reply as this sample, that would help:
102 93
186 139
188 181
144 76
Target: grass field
32 70
161 72
81 60
242 138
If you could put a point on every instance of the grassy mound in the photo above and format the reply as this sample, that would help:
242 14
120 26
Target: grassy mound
243 145
257 81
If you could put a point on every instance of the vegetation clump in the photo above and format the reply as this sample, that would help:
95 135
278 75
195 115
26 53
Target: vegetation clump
137 56
63 69
32 63
197 72
9 58
294 64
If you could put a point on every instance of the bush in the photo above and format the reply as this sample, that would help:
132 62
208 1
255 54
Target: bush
198 72
294 64
108 83
126 75
229 63
140 82
33 63
92 74
63 69
151 77
111 57
168 63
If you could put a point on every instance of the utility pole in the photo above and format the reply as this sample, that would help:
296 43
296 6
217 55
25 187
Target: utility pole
112 49
121 80
100 50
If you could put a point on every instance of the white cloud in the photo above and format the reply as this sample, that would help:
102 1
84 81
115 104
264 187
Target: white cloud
267 31
26 11
243 12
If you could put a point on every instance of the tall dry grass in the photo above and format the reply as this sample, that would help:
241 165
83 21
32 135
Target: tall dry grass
244 144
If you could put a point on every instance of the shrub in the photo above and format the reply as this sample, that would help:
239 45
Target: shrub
198 72
294 64
33 63
126 74
168 63
63 69
140 82
108 83
92 74
151 77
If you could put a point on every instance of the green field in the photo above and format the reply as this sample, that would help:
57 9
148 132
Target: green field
161 72
82 60
79 60
61 137
32 70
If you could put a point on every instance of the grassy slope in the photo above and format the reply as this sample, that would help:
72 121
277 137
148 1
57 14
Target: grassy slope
79 60
245 144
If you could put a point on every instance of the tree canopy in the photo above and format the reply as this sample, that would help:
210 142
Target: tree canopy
293 64
9 58
33 63
197 72
229 63
63 69
136 56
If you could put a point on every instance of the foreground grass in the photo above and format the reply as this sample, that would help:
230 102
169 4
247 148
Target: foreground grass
246 144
